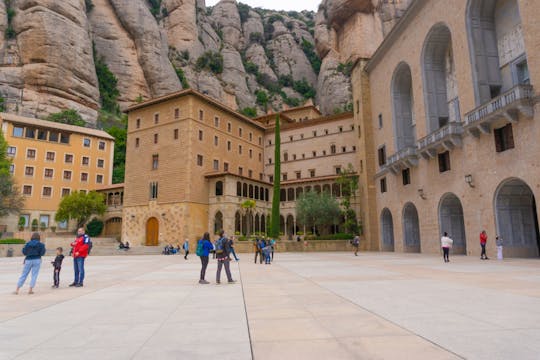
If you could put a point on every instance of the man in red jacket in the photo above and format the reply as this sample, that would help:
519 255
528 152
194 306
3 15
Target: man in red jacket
80 252
483 241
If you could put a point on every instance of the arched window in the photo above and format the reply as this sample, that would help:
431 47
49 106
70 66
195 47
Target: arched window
218 222
256 192
326 189
244 190
261 195
219 188
317 189
290 194
402 102
299 191
250 191
238 188
266 193
282 195
336 191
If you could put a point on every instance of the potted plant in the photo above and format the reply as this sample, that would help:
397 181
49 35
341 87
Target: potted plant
53 229
43 226
22 223
34 225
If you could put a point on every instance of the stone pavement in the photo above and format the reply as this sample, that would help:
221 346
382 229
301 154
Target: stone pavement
303 306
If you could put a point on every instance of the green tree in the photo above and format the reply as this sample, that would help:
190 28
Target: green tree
108 85
2 104
249 112
274 225
318 209
80 206
262 98
94 227
247 207
70 117
11 201
119 163
349 185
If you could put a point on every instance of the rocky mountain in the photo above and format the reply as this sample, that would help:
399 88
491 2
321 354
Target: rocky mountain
63 54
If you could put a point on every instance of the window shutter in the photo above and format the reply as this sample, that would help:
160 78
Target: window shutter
498 140
509 137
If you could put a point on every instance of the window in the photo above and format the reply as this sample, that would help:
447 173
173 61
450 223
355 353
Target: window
64 138
101 145
30 133
156 118
382 155
216 141
284 176
352 127
84 177
201 135
325 131
286 157
156 138
216 165
338 170
406 176
260 157
269 142
383 185
340 129
240 132
17 131
229 146
303 156
42 134
138 125
177 113
250 136
99 179
101 163
11 169
175 134
30 153
357 106
240 171
261 177
49 173
314 133
201 115
343 149
155 161
504 138
444 161
68 159
354 148
301 136
11 151
44 219
26 218
29 171
199 160
269 160
290 138
312 173
27 190
225 166
216 121
85 160
250 153
332 149
67 175
250 173
522 73
53 136
65 192
240 149
47 191
219 188
270 179
298 174
50 156
153 190
260 140
229 127
87 142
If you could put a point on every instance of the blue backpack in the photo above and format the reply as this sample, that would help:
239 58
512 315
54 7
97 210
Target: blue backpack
220 245
199 250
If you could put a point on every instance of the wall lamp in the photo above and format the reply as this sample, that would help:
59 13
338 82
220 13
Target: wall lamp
469 180
421 194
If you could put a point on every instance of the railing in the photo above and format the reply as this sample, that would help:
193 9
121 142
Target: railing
402 154
453 128
519 92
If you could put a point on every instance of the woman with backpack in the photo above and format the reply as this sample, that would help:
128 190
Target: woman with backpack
204 246
223 251
33 250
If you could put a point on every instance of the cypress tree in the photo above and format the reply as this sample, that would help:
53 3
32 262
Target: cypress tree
274 230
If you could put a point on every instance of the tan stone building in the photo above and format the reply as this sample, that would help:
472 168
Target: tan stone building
50 160
449 107
192 161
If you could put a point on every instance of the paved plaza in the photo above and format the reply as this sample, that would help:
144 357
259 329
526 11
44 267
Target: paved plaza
303 306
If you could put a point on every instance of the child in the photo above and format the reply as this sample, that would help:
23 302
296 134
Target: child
57 263
267 250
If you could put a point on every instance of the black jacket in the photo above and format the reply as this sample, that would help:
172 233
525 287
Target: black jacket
57 263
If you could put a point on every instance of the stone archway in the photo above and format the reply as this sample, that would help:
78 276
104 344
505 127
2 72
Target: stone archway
218 222
451 221
113 227
516 218
411 229
402 104
152 232
387 230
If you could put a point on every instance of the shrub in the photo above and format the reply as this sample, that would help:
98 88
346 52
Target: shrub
12 241
108 85
89 5
256 37
340 236
275 17
262 98
309 51
243 10
94 227
35 225
345 69
10 32
22 223
184 54
2 104
251 68
210 60
42 226
70 117
182 77
249 112
304 88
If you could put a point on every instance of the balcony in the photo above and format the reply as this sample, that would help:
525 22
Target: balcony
403 159
507 106
446 138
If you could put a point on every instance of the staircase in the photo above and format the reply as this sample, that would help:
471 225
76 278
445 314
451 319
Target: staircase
102 247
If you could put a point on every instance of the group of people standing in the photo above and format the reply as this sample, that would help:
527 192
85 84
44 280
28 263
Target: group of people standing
222 249
447 243
264 248
35 249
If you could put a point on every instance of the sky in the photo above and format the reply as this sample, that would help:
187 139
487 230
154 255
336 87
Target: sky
297 5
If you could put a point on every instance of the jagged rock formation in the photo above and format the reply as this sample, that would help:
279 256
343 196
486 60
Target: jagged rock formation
47 53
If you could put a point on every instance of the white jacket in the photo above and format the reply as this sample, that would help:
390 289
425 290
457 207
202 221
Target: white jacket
446 242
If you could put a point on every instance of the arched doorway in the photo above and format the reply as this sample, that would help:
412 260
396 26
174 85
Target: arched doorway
387 230
290 227
516 217
411 229
402 103
113 227
237 223
451 221
152 232
218 222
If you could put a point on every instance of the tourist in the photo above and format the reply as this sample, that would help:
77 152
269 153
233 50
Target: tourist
356 244
186 249
257 249
231 245
499 243
80 252
33 251
222 255
483 241
446 244
204 246
57 264
273 245
267 250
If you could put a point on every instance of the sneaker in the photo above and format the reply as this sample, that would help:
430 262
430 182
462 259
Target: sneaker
73 284
79 285
231 281
204 282
218 282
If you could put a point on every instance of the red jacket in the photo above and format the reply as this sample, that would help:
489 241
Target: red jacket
80 249
483 238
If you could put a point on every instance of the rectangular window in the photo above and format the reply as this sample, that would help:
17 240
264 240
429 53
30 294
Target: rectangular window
229 146
156 118
177 113
87 142
290 138
175 134
240 171
226 166
99 179
67 175
65 192
250 136
138 124
325 131
155 162
29 171
382 155
522 73
199 160
216 165
444 161
380 121
250 173
136 142
314 153
30 153
240 149
156 138
101 163
312 173
53 136
11 151
44 219
30 133
357 106
11 169
68 158
269 160
42 134
406 176
284 176
85 160
17 131
229 127
201 135
27 190
50 156
260 157
383 185
261 177
201 115
504 138
240 132
269 142
216 121
153 190
314 133
64 138
340 129
270 179
84 177
298 174
216 141
49 173
250 154
47 191
338 170
101 145
260 140
343 149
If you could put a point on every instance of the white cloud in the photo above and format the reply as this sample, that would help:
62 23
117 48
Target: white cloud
297 5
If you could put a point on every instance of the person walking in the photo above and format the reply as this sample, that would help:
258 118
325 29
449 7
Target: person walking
186 249
257 249
204 246
57 264
356 244
33 251
223 250
80 252
231 245
446 244
499 243
483 242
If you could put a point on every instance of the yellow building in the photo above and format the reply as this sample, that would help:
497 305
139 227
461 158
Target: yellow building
50 160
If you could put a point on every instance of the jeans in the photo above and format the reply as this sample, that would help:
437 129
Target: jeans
220 263
78 266
446 251
483 255
30 265
258 252
57 276
204 263
499 252
187 253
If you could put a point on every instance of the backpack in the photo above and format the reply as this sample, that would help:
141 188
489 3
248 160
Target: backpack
32 249
199 250
220 245
89 243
